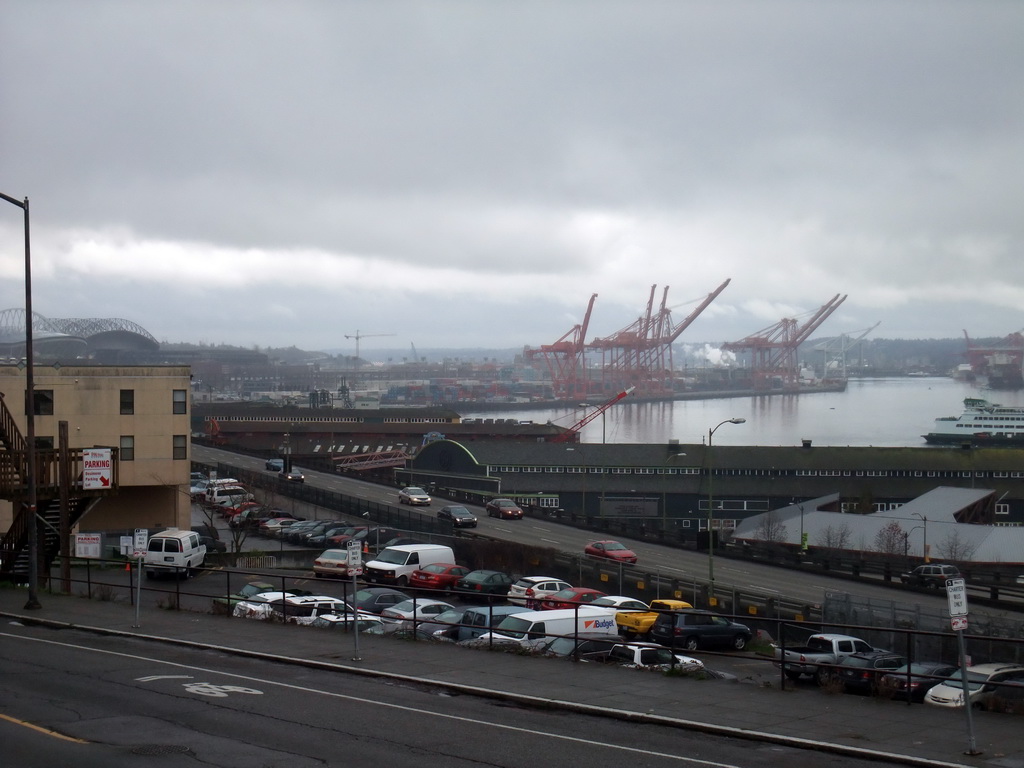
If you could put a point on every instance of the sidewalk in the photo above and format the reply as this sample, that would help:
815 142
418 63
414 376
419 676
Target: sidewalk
844 724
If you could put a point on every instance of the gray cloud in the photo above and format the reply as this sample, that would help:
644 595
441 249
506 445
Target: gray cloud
467 174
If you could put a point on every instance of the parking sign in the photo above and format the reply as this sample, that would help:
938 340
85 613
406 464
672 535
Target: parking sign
956 593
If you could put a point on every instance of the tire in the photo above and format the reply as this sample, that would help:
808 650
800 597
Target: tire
823 676
794 676
739 642
692 643
402 581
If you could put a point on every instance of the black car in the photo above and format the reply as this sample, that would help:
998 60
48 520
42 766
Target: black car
458 516
213 546
376 599
485 584
931 576
914 680
862 672
693 629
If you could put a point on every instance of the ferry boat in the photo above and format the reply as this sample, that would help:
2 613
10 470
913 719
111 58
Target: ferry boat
981 423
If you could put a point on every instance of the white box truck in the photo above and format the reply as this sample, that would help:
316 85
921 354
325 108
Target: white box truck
394 564
531 627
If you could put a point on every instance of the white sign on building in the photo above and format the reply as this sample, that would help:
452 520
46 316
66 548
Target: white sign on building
97 468
88 544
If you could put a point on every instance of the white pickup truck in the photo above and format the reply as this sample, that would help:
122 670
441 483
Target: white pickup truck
813 658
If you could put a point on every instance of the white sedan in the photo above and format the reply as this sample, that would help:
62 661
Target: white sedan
419 610
413 495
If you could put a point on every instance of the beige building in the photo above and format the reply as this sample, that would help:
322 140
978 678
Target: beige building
142 411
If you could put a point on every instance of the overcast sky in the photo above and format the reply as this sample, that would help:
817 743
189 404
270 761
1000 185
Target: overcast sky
467 174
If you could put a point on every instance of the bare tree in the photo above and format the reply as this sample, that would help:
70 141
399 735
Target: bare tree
770 529
835 537
955 548
891 540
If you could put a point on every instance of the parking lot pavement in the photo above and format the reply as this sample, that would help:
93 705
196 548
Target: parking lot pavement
913 735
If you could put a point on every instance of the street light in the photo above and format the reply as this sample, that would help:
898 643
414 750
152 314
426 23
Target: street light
924 531
30 423
711 510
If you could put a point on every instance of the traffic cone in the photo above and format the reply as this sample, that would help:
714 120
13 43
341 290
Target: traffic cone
127 565
366 548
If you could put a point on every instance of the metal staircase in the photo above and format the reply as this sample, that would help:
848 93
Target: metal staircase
50 472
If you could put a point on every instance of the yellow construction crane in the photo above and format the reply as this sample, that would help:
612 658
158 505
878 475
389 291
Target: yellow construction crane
359 335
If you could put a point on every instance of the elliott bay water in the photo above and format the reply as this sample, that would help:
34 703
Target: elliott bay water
889 412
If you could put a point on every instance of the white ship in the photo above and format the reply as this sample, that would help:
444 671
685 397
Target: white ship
981 423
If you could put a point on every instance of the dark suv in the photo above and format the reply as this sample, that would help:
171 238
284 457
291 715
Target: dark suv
930 576
693 629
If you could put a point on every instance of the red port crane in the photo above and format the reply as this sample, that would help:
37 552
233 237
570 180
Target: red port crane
566 360
773 349
573 431
641 353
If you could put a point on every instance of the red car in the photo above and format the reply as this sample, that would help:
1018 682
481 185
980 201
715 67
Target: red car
504 509
569 598
442 576
610 550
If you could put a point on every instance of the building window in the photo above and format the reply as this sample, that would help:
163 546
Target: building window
127 402
127 445
180 401
43 402
180 448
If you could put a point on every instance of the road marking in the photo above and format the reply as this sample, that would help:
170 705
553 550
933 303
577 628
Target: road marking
151 678
552 541
370 702
40 729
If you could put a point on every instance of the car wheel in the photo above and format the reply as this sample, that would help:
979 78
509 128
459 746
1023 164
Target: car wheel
823 676
739 642
691 643
402 581
794 676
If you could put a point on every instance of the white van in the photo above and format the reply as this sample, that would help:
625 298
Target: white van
394 564
227 495
174 553
531 627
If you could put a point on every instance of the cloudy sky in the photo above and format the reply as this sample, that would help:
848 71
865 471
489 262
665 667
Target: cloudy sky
466 174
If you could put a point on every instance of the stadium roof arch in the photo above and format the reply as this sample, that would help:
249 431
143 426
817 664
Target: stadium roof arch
74 337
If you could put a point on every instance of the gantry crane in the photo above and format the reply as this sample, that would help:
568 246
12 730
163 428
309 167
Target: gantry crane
359 335
566 361
773 350
835 350
641 353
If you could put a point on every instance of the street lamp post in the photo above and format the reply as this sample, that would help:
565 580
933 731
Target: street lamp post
711 509
924 531
31 501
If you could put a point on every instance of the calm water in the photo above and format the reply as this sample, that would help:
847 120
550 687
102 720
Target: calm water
879 412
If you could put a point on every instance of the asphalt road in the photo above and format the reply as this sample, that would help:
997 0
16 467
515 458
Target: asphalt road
687 565
72 698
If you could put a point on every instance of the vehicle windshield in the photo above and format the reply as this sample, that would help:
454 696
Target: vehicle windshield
415 491
406 605
461 512
974 680
613 546
392 556
452 616
514 627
